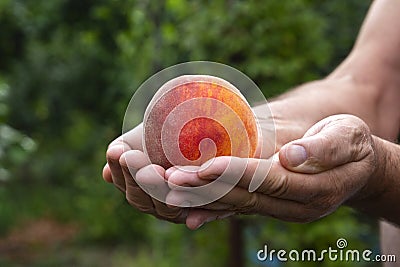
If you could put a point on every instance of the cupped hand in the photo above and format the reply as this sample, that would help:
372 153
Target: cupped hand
129 169
126 159
308 178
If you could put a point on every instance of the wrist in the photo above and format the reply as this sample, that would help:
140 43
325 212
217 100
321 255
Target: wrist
377 184
369 197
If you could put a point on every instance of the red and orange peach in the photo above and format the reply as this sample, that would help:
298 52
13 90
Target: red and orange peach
193 118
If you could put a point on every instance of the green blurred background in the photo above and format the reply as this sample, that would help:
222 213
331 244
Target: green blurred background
68 69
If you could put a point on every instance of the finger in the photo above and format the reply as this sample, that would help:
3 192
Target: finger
131 161
247 173
238 199
190 198
184 176
260 175
132 138
134 160
128 141
139 199
215 167
198 217
169 171
135 196
270 178
257 203
330 143
107 173
172 214
151 179
113 155
225 169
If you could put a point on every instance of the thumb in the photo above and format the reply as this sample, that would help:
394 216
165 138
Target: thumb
334 142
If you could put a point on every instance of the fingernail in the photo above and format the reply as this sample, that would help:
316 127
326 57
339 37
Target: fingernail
169 172
296 155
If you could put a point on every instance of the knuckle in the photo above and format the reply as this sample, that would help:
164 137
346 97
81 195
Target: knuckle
175 215
110 155
113 143
139 200
251 205
278 186
170 213
113 153
141 208
359 137
145 204
359 123
119 185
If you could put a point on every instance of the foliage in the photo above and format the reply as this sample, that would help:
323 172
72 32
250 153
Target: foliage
68 69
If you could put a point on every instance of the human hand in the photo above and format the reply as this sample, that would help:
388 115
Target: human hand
129 169
125 159
309 177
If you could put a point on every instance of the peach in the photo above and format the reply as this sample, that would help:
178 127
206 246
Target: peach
193 118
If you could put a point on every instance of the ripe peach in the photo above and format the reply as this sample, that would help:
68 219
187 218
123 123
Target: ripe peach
193 118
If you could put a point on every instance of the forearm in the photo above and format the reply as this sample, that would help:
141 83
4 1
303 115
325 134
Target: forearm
309 103
366 84
374 65
379 36
373 99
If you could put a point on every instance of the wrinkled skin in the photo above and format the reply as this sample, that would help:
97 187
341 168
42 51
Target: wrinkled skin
126 151
339 160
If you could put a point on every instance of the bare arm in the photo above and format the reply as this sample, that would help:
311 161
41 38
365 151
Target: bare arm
366 84
381 195
374 64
